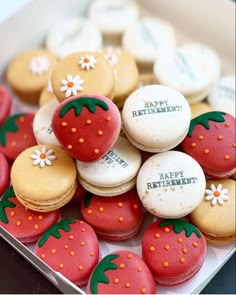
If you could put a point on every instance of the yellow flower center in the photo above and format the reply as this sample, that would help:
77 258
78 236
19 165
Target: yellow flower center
216 194
70 84
43 156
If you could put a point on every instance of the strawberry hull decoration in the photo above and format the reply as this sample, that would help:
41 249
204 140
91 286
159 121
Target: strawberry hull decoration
71 248
211 142
24 224
16 135
4 174
174 250
5 104
121 272
87 126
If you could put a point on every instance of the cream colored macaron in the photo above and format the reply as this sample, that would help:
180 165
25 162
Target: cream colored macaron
170 184
156 118
46 94
115 173
44 178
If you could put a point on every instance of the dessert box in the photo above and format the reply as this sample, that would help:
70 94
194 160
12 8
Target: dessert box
206 21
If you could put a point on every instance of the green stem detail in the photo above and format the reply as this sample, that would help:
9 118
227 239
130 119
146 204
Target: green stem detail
179 225
5 203
87 199
203 120
54 231
98 275
77 104
9 126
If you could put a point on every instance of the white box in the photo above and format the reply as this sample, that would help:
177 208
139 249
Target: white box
208 21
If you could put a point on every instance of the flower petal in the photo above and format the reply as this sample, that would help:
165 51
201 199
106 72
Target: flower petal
64 82
48 162
36 162
213 188
220 201
68 92
74 91
37 152
219 187
34 156
63 88
44 150
225 197
209 197
224 191
49 152
42 163
70 78
209 192
214 201
51 157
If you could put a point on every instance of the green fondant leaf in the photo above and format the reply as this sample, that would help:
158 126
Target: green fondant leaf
9 126
77 105
87 199
203 120
5 203
98 275
53 230
179 225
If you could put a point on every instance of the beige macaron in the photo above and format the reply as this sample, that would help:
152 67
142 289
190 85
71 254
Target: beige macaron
44 178
215 215
29 72
83 72
46 94
200 108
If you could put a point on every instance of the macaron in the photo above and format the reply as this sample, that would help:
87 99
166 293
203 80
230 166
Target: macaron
211 142
46 94
47 180
156 118
121 272
146 79
174 250
115 173
221 96
71 248
118 218
87 126
42 124
125 71
4 174
148 39
83 72
170 184
72 35
16 135
79 195
113 16
200 108
24 224
217 205
5 104
28 73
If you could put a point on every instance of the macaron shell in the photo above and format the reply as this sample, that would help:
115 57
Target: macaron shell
200 108
46 96
4 174
5 104
99 80
206 216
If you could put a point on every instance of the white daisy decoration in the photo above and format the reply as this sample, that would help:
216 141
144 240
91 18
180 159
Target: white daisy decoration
216 195
39 65
112 58
87 62
43 157
72 85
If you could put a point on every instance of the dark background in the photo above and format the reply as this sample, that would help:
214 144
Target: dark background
18 276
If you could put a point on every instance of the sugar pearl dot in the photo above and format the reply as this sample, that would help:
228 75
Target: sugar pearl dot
122 265
234 145
64 124
116 281
66 246
92 253
226 157
143 291
226 124
81 222
165 264
36 226
82 243
40 217
167 247
206 151
61 265
53 251
193 144
200 137
182 259
139 269
100 209
13 213
152 249
83 229
135 206
157 235
18 223
96 151
89 211
88 122
71 237
120 204
108 118
81 140
43 256
195 244
69 146
100 132
219 137
73 130
72 253
127 285
121 219
13 143
167 229
180 240
185 250
26 136
129 256
80 267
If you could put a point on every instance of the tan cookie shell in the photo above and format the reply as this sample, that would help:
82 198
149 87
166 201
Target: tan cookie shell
99 80
45 96
26 85
34 185
217 222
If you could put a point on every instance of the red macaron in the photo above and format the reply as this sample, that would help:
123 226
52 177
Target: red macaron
5 104
4 174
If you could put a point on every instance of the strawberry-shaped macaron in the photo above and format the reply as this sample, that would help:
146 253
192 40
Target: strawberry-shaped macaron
16 135
4 174
211 142
121 272
5 104
87 126
116 218
71 248
24 224
174 250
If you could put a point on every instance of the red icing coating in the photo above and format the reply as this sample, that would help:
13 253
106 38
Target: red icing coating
5 104
116 218
79 194
4 174
131 276
23 138
182 259
213 148
75 260
86 144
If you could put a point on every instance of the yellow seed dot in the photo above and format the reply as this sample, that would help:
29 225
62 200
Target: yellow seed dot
193 144
96 151
100 209
165 264
234 145
185 250
206 151
200 137
26 136
36 226
92 253
143 291
53 251
127 285
43 256
157 235
121 219
18 223
180 240
219 137
66 246
135 206
182 259
108 118
100 132
120 204
22 119
80 267
226 124
226 157
82 243
83 229
30 218
152 249
88 122
71 237
89 211
81 140
64 124
139 269
81 222
72 253
129 256
40 217
69 146
116 281
13 213
195 244
61 265
13 143
73 130
122 265
26 209
167 247
167 229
